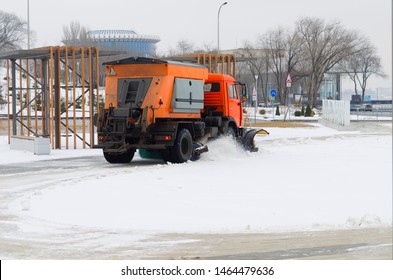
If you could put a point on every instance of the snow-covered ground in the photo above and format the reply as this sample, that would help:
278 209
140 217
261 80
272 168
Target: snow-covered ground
302 178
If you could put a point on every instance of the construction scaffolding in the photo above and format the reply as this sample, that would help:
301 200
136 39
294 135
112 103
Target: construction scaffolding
53 92
216 63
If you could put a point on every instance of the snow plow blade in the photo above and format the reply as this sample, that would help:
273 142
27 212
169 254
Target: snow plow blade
246 138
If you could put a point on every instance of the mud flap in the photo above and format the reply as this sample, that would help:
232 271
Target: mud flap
247 138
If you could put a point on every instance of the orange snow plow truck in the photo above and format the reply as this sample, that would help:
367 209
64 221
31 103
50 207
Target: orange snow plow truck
167 108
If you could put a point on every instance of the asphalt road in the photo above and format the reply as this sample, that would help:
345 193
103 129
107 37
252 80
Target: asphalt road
365 244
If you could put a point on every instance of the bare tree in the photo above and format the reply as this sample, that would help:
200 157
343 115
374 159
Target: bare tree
182 47
12 32
361 65
324 46
2 99
283 49
258 65
274 43
209 47
74 34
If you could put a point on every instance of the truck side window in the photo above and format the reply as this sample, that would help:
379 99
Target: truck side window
213 87
232 92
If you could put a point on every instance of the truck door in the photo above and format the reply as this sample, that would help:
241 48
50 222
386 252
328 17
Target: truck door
235 105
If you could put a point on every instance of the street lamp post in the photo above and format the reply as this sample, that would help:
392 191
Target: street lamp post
256 99
218 27
28 24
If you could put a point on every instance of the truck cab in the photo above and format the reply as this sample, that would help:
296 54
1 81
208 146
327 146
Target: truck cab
222 100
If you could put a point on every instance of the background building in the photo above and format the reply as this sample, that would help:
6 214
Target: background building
123 40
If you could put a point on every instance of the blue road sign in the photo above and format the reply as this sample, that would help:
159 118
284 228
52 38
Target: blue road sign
273 93
367 98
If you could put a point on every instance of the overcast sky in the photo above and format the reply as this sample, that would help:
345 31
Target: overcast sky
196 21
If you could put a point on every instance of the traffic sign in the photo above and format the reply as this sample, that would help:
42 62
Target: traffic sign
273 93
254 94
367 98
289 80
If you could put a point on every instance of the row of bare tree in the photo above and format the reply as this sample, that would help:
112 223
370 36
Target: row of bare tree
308 51
315 47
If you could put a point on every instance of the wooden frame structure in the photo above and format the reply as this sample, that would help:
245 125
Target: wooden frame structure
46 87
219 63
216 63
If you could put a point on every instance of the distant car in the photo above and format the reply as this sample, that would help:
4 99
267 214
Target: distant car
366 108
355 107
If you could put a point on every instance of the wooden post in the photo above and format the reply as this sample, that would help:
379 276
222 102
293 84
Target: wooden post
74 94
35 98
8 102
83 97
50 97
91 97
66 94
20 97
28 109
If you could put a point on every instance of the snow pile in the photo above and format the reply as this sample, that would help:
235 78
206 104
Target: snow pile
223 148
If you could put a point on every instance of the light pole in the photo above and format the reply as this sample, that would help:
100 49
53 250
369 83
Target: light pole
28 24
256 99
218 27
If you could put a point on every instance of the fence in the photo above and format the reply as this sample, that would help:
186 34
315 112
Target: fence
336 111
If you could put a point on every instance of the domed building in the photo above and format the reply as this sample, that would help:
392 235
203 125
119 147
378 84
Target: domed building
123 40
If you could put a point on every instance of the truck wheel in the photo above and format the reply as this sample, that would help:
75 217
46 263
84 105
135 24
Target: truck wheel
119 158
231 132
167 155
182 149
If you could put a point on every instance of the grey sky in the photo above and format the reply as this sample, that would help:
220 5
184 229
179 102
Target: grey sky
196 21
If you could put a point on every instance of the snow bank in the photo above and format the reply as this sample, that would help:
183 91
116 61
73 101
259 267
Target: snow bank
9 156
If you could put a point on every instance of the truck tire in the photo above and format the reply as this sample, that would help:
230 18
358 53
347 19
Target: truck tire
119 158
182 149
231 132
166 154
